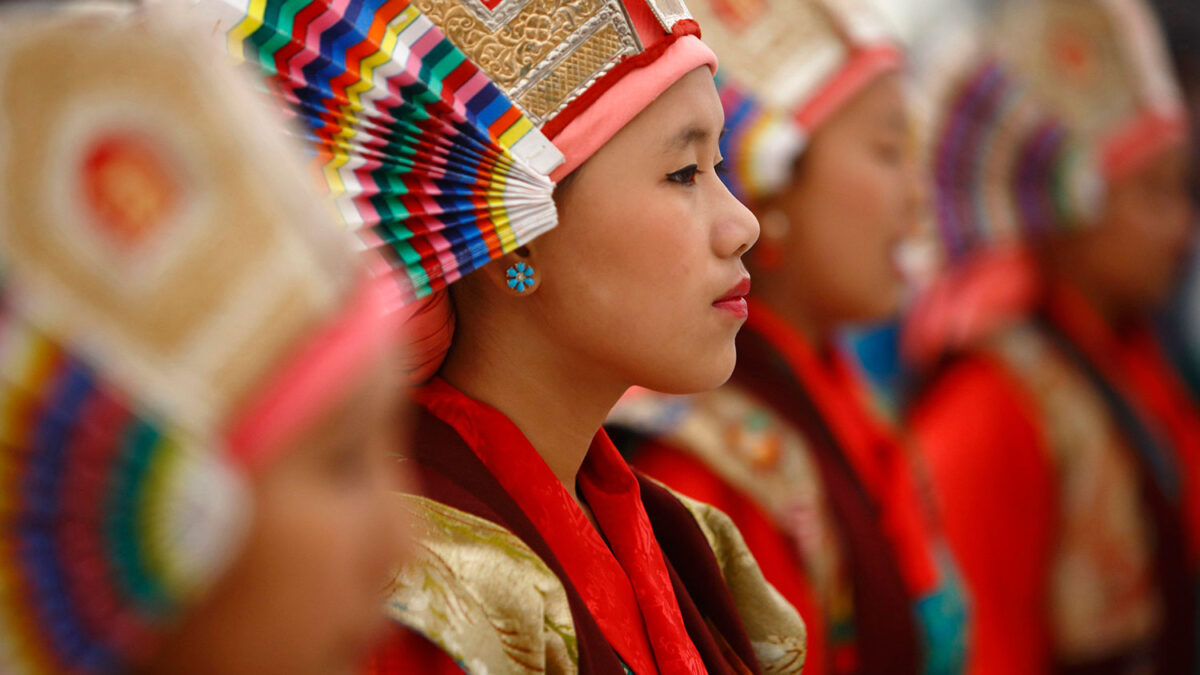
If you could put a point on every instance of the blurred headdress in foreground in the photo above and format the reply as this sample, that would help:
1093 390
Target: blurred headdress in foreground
172 309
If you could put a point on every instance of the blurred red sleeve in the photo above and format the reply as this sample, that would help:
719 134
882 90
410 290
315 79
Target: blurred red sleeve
994 484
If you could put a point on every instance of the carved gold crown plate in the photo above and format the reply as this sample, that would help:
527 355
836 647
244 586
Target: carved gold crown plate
542 53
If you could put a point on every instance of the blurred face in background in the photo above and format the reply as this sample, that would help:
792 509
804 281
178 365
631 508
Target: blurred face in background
305 594
1130 260
855 197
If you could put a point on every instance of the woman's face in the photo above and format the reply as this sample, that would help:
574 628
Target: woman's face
305 595
638 276
1132 258
856 195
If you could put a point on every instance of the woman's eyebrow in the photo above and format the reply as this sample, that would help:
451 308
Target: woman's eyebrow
691 134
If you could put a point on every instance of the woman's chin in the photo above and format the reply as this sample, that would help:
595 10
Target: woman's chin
704 374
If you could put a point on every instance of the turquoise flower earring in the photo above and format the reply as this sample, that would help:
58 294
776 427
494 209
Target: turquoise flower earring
520 278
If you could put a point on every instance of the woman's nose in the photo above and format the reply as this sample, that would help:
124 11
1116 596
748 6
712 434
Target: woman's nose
738 228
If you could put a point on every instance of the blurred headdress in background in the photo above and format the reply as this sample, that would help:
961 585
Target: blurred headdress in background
1033 110
1034 114
786 66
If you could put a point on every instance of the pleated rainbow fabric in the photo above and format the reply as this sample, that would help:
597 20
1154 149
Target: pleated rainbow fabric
1004 169
1037 107
425 158
87 588
133 331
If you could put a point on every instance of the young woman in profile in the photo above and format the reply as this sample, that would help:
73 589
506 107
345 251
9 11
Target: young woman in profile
540 550
819 483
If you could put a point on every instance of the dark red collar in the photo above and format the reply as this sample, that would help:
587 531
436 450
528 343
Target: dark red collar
627 588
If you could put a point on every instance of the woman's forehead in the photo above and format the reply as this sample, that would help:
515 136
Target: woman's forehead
686 114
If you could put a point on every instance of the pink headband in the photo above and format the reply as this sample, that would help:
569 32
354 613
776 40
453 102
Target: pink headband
632 94
862 68
314 377
1142 140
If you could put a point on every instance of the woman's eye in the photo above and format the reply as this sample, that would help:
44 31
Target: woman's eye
721 168
685 176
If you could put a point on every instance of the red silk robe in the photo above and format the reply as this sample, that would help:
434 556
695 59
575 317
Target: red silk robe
1064 456
510 560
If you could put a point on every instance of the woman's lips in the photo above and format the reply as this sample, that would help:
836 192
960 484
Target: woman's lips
734 301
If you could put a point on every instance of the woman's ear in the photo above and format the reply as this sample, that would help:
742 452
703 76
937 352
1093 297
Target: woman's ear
516 273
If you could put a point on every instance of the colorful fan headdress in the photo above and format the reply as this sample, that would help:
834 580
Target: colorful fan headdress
786 66
172 309
1038 111
440 126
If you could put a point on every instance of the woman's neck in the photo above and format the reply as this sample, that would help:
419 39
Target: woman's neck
558 403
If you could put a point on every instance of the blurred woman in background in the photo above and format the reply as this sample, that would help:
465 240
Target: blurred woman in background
195 402
1063 448
819 145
